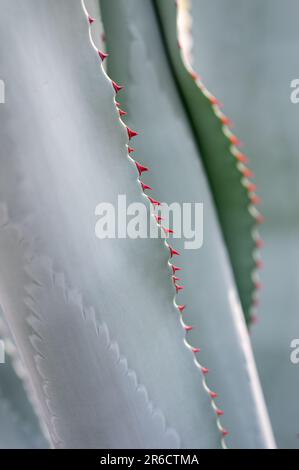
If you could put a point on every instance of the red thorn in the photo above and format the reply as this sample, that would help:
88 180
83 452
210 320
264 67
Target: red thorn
195 350
145 186
122 113
213 394
116 87
241 157
256 303
252 187
254 319
234 140
226 121
153 201
258 285
205 370
256 200
219 412
158 218
181 308
194 75
248 173
178 288
168 230
140 168
131 133
173 252
117 103
260 219
224 432
259 264
188 328
103 55
175 278
91 19
175 268
214 100
260 243
131 150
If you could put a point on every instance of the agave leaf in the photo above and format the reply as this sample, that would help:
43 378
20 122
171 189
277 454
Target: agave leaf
166 145
226 174
264 51
18 395
63 152
19 426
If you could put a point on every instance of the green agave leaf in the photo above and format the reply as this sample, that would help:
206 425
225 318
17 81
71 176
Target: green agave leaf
166 145
227 175
94 319
260 40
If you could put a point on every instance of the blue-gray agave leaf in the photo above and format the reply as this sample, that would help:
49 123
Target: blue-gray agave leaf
138 61
19 427
93 319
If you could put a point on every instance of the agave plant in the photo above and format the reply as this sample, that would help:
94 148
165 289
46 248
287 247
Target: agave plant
121 342
258 100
